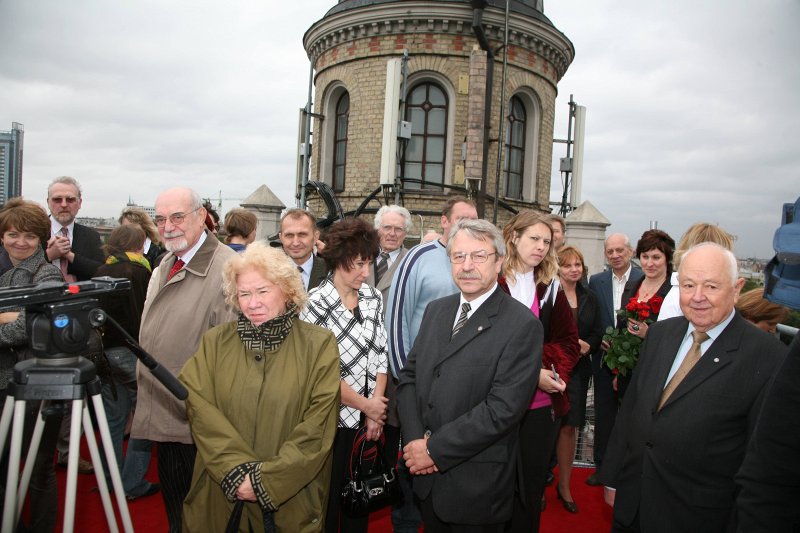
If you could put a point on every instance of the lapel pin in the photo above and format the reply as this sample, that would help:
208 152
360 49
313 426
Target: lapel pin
480 328
716 359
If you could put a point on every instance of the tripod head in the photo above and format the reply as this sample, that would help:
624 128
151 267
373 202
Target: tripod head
60 318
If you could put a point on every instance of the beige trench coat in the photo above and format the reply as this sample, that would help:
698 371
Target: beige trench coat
176 315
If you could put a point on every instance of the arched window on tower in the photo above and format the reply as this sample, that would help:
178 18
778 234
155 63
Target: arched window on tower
340 141
424 157
516 123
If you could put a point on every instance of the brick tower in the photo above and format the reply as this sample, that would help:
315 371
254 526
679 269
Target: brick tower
452 137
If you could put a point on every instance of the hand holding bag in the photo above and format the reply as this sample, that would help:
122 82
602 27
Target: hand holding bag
370 483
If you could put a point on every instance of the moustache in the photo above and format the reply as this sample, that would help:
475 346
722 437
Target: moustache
468 275
172 234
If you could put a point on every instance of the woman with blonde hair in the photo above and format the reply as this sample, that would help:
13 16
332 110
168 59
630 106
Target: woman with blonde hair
530 276
760 311
152 243
697 233
263 401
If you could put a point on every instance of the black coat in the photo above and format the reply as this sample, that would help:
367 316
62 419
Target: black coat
126 308
675 467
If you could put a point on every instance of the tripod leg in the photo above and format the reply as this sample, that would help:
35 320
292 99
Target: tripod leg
10 517
111 461
5 421
72 466
30 461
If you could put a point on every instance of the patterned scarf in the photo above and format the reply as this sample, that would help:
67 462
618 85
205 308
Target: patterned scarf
268 336
132 257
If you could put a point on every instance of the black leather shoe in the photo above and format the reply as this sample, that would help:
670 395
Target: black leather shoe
569 506
548 479
592 481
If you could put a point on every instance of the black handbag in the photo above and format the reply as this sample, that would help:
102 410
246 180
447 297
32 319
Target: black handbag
370 483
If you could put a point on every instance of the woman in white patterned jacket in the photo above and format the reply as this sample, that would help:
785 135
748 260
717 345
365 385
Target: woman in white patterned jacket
353 311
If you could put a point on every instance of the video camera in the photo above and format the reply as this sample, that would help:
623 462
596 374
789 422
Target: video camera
60 318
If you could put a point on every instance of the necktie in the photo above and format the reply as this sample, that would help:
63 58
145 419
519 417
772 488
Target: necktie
691 359
63 263
462 319
381 267
175 268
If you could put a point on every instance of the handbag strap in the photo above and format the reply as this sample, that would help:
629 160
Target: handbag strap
374 454
235 519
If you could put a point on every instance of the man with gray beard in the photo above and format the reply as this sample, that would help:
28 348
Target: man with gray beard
184 300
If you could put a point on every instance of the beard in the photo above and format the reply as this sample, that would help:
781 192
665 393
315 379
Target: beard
175 242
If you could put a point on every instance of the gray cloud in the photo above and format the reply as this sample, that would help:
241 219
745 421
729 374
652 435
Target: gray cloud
691 106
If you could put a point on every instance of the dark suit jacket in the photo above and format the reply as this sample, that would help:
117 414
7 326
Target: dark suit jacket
676 466
603 287
470 393
319 271
88 251
770 475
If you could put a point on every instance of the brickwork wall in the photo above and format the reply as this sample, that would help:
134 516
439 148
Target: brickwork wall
359 63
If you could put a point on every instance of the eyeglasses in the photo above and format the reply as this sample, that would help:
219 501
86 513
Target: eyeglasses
174 219
393 229
477 257
62 199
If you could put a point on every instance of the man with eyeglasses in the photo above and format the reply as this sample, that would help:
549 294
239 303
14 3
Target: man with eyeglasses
76 250
422 276
184 300
464 389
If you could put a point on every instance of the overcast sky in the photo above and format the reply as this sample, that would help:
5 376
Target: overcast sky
692 106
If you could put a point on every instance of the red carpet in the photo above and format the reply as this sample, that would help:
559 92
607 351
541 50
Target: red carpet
147 514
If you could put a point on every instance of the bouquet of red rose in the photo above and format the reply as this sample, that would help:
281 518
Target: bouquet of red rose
623 353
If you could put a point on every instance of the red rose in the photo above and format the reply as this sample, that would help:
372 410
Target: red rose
655 304
632 306
644 314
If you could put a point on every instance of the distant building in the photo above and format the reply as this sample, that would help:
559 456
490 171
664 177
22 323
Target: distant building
446 138
150 210
11 162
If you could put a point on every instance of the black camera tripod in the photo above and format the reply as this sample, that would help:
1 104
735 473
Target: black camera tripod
56 381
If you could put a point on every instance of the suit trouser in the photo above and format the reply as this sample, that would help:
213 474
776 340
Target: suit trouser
434 525
606 406
537 437
175 465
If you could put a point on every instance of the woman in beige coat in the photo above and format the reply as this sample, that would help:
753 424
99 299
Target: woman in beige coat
263 404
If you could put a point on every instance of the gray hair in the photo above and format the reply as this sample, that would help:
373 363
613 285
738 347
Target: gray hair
399 209
480 229
66 180
625 238
733 266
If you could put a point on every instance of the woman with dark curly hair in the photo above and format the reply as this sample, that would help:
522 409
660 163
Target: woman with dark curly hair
353 311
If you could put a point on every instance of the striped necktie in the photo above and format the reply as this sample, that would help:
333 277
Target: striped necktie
462 319
381 267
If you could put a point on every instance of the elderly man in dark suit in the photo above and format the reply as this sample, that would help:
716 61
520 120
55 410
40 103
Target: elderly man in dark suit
686 419
608 286
465 386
